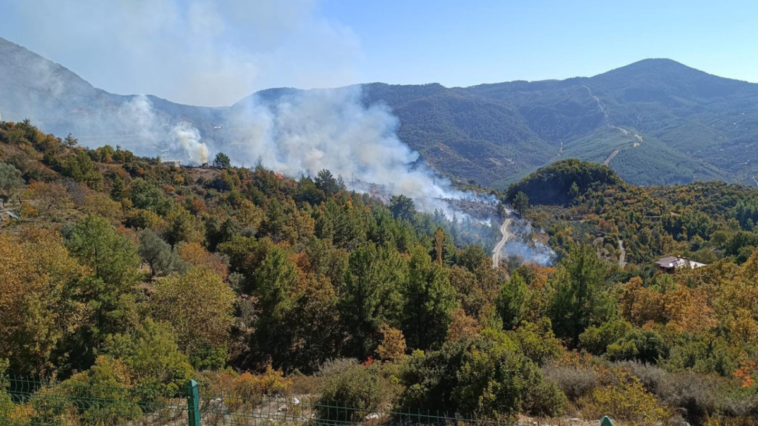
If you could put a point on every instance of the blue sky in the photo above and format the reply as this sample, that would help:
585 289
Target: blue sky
465 43
216 52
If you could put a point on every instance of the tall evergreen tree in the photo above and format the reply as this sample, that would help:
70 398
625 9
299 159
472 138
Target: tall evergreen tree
579 300
371 296
429 300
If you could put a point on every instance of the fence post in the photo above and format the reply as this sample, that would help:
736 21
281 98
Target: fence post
193 403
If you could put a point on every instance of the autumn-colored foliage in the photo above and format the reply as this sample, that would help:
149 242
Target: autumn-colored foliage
392 346
122 270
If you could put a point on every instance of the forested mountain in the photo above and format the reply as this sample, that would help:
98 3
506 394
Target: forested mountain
122 278
655 121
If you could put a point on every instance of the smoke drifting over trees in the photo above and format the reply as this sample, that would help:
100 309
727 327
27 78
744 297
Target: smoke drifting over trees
304 132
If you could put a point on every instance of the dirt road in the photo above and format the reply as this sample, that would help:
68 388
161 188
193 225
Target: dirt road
500 244
608 159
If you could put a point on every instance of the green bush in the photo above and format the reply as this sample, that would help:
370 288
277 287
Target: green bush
537 341
100 396
641 345
596 340
704 354
7 407
485 377
740 403
429 378
358 388
150 351
500 383
545 399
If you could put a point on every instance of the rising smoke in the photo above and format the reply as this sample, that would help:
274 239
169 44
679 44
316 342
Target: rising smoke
188 138
303 132
221 51
156 134
525 246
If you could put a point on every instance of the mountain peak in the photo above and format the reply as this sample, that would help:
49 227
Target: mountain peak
658 66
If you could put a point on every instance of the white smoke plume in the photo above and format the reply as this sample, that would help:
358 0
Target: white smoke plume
188 138
304 132
151 133
224 50
525 246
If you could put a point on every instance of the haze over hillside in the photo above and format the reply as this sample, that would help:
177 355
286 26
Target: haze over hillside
655 121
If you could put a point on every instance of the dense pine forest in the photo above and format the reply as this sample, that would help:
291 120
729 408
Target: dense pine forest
116 269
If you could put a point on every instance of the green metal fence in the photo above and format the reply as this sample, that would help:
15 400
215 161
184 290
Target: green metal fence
27 403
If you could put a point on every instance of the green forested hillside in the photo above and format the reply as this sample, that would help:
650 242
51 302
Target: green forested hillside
123 274
697 122
586 203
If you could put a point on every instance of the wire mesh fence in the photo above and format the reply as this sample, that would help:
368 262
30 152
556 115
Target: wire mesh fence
31 403
308 410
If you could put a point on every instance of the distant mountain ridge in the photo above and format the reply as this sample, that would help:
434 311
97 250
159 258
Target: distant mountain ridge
655 121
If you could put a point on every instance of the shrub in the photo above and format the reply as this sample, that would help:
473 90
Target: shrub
626 400
359 388
499 383
694 395
488 376
545 399
705 354
104 392
537 341
595 340
245 390
10 178
336 366
642 345
740 404
574 382
651 376
248 389
155 363
11 414
304 384
429 378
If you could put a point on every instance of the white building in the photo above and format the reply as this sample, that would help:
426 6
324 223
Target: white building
672 263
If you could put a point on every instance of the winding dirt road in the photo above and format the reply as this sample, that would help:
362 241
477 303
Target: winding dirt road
608 159
607 121
500 244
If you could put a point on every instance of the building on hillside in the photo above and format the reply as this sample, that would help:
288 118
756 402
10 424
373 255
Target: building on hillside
175 163
671 263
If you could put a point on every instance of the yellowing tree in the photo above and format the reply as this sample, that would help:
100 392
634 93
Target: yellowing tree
393 344
197 255
462 326
38 307
49 199
198 305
